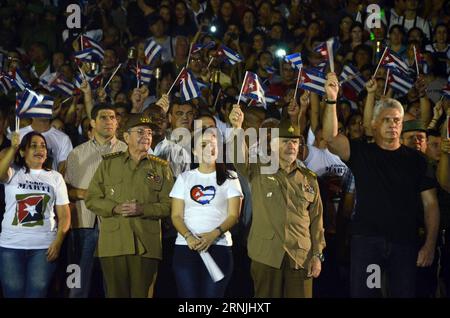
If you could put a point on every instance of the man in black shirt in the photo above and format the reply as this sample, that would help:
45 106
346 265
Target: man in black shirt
391 182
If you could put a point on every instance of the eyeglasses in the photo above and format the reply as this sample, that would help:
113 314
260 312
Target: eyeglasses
142 132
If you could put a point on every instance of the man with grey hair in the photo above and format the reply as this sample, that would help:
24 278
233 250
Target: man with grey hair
392 181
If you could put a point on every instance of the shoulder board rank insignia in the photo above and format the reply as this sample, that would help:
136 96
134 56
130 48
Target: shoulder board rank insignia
112 155
158 160
310 172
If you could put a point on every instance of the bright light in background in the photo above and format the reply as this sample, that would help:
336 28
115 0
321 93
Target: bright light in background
213 29
280 53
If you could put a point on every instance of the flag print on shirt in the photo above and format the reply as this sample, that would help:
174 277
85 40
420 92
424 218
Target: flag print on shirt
30 209
203 195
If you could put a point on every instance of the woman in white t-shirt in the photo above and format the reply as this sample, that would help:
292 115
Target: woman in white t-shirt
205 204
32 233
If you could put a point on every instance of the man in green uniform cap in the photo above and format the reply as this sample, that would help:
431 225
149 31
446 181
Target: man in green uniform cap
286 237
130 194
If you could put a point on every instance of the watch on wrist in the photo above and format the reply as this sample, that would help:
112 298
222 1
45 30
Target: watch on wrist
320 257
331 102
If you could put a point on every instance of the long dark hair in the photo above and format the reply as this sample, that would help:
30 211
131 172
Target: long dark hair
222 169
19 161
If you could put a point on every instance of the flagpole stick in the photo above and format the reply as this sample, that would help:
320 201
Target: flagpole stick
81 40
217 98
330 55
379 62
296 85
242 87
175 81
210 61
111 77
82 73
386 82
415 59
189 55
17 117
66 100
137 74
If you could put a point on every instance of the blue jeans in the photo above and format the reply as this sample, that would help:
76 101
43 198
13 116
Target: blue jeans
25 273
397 263
192 277
84 242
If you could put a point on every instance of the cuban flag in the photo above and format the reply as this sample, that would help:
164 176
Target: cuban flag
32 104
84 55
391 60
322 50
56 82
18 80
313 80
400 82
229 55
197 47
144 73
271 99
421 60
188 85
352 78
295 60
270 70
152 50
97 52
5 83
253 89
93 80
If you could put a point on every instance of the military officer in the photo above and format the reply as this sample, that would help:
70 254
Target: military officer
130 194
286 236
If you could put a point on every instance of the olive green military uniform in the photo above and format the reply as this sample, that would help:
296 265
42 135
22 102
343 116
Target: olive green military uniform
286 230
130 247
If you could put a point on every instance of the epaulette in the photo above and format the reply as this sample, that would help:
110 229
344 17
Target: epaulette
310 172
158 160
112 155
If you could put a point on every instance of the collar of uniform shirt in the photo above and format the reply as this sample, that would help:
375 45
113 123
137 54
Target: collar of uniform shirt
110 143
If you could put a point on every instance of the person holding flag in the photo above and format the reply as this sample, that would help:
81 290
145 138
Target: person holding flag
36 220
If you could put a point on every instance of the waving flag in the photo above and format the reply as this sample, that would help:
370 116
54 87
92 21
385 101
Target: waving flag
313 80
18 80
93 80
188 85
391 60
253 89
85 55
97 52
400 82
270 70
229 55
295 60
352 78
152 50
197 47
55 81
5 83
143 73
32 104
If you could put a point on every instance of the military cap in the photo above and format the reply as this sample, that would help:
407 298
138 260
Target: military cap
413 125
139 120
286 130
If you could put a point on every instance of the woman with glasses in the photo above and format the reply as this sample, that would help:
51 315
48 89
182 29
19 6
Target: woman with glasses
205 205
36 219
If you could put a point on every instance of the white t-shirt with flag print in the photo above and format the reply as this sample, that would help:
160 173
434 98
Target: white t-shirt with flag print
205 202
30 217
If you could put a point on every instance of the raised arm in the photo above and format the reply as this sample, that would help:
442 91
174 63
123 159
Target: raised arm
7 156
337 143
371 87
